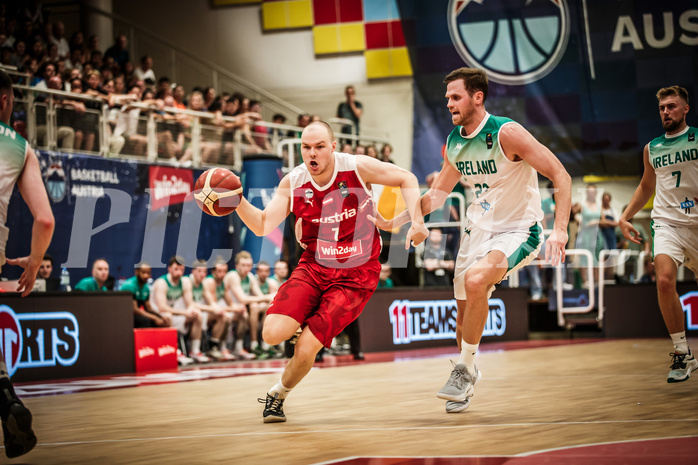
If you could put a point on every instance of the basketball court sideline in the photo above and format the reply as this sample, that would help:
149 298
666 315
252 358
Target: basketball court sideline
575 402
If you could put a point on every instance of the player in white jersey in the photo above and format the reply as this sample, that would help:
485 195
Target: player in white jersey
671 173
499 159
19 165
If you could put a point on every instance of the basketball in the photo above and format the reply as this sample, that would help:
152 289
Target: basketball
218 192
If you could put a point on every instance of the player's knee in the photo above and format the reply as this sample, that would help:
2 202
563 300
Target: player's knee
272 335
665 284
475 283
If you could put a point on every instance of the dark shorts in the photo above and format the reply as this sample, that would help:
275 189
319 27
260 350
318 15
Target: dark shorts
326 299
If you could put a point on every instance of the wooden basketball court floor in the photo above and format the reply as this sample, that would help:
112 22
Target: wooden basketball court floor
573 402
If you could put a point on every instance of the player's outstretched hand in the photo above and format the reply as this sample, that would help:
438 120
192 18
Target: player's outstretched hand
389 225
555 247
416 234
26 281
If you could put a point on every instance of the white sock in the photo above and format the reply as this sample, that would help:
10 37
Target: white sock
680 342
467 356
195 346
265 346
254 345
238 345
280 389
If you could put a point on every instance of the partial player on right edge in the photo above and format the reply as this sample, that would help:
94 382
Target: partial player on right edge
671 173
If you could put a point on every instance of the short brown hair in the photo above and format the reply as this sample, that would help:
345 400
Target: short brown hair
673 90
475 80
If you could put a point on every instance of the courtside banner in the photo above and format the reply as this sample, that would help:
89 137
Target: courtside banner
580 75
409 318
67 335
125 211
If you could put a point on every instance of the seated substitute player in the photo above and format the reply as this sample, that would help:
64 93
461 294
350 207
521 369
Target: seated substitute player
243 286
100 273
280 271
213 317
330 194
143 315
171 296
268 286
214 288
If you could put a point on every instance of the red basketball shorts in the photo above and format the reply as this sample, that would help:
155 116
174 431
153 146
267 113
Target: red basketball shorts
326 299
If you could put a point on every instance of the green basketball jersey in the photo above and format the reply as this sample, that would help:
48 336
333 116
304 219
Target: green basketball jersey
141 293
13 153
197 291
674 159
506 192
175 294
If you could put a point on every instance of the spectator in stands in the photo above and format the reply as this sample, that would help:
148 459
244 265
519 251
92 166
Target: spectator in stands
143 314
438 261
164 87
128 70
96 282
118 51
90 121
244 288
269 286
371 151
38 52
588 236
47 71
34 13
384 280
93 44
60 40
214 287
77 41
359 150
350 109
255 135
178 94
281 271
347 148
10 38
65 117
171 296
209 97
145 71
608 221
97 60
386 152
75 59
20 55
126 128
119 85
214 317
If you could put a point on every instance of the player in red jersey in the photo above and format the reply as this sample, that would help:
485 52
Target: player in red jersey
330 194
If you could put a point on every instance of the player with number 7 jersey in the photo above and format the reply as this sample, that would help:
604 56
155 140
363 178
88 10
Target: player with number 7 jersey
671 173
338 272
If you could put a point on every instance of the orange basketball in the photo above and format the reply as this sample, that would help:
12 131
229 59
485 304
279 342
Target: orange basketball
218 191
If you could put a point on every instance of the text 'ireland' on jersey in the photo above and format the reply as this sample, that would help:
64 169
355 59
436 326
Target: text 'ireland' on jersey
334 223
674 159
506 192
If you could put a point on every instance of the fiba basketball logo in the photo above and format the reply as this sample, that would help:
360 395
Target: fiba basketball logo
516 41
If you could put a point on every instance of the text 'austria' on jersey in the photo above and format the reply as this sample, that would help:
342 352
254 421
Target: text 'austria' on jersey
334 222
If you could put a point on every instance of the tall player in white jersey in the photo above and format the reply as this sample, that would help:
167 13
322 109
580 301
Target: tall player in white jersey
330 194
671 173
499 159
18 164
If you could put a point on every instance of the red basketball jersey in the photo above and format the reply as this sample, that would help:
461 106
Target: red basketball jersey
335 226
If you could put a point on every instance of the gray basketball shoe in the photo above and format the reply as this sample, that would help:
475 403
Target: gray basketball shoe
461 385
